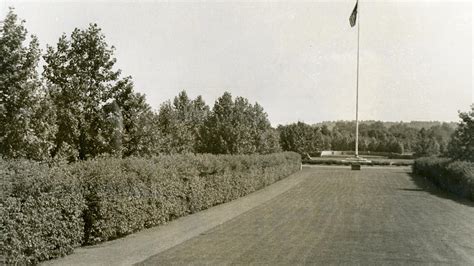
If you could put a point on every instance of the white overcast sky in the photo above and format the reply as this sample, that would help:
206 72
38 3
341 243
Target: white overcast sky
297 59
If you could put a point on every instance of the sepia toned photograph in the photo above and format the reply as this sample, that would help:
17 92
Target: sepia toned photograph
221 132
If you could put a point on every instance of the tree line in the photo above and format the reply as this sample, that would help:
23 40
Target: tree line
80 107
373 137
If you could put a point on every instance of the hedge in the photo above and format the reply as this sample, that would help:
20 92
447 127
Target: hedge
323 161
50 210
454 176
40 210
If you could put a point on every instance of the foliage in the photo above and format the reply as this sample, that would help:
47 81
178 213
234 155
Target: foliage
179 123
97 112
454 176
27 123
268 142
40 210
373 137
374 162
461 145
47 211
236 127
139 134
126 195
427 144
302 138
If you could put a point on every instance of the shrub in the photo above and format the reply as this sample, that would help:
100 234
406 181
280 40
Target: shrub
47 211
400 156
40 212
126 195
348 162
454 176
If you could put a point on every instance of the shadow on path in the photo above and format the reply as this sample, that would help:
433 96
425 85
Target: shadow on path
412 189
426 185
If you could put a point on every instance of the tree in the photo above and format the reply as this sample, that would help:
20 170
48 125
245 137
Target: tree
442 134
237 127
269 142
461 146
179 123
85 85
405 134
427 144
26 116
219 133
302 138
266 139
133 117
200 112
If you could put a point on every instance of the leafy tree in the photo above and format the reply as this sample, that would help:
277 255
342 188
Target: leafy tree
138 123
81 69
442 134
461 145
219 134
303 138
26 117
237 127
179 123
268 142
342 140
427 144
200 112
405 134
325 130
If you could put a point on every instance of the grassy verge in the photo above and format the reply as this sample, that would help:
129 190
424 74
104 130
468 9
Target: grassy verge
47 211
453 176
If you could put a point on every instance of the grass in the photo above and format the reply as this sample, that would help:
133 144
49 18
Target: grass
337 216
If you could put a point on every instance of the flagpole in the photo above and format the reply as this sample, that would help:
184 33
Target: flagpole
357 84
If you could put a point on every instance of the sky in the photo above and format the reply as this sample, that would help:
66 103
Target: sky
297 59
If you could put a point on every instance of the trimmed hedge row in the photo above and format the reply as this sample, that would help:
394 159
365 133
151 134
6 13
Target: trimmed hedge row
454 176
40 210
371 163
46 212
390 155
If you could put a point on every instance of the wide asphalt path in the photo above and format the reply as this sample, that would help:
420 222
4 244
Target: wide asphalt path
338 216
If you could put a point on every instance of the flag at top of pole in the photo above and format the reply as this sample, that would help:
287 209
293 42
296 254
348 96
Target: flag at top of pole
353 17
352 21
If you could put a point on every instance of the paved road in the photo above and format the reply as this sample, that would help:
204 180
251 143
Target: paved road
338 216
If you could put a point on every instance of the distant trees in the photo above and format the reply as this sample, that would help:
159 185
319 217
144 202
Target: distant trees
27 122
373 137
406 135
427 145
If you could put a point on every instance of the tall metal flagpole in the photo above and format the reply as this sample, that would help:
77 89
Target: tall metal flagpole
357 84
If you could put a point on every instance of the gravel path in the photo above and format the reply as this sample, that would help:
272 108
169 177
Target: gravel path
338 216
